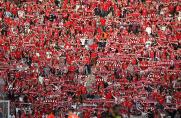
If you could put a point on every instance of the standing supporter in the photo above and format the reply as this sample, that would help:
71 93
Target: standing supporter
71 114
51 115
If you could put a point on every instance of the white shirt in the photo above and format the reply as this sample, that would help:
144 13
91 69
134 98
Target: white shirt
83 41
168 99
179 16
163 28
40 79
12 116
148 30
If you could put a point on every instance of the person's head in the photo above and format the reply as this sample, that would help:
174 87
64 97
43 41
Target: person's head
70 111
116 109
51 112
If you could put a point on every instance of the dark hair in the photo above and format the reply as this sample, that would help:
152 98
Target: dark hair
116 109
71 110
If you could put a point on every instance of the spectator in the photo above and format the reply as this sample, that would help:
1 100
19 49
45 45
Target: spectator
71 114
51 115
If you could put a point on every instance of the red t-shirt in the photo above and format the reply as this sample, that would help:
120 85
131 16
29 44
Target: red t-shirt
103 21
71 68
134 61
106 7
93 55
109 95
83 90
124 65
5 48
93 46
18 54
143 65
69 59
144 12
151 54
164 56
160 100
87 60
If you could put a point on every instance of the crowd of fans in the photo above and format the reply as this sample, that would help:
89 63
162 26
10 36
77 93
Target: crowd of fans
92 55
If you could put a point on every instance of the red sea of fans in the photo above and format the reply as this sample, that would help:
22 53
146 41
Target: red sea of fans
92 54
